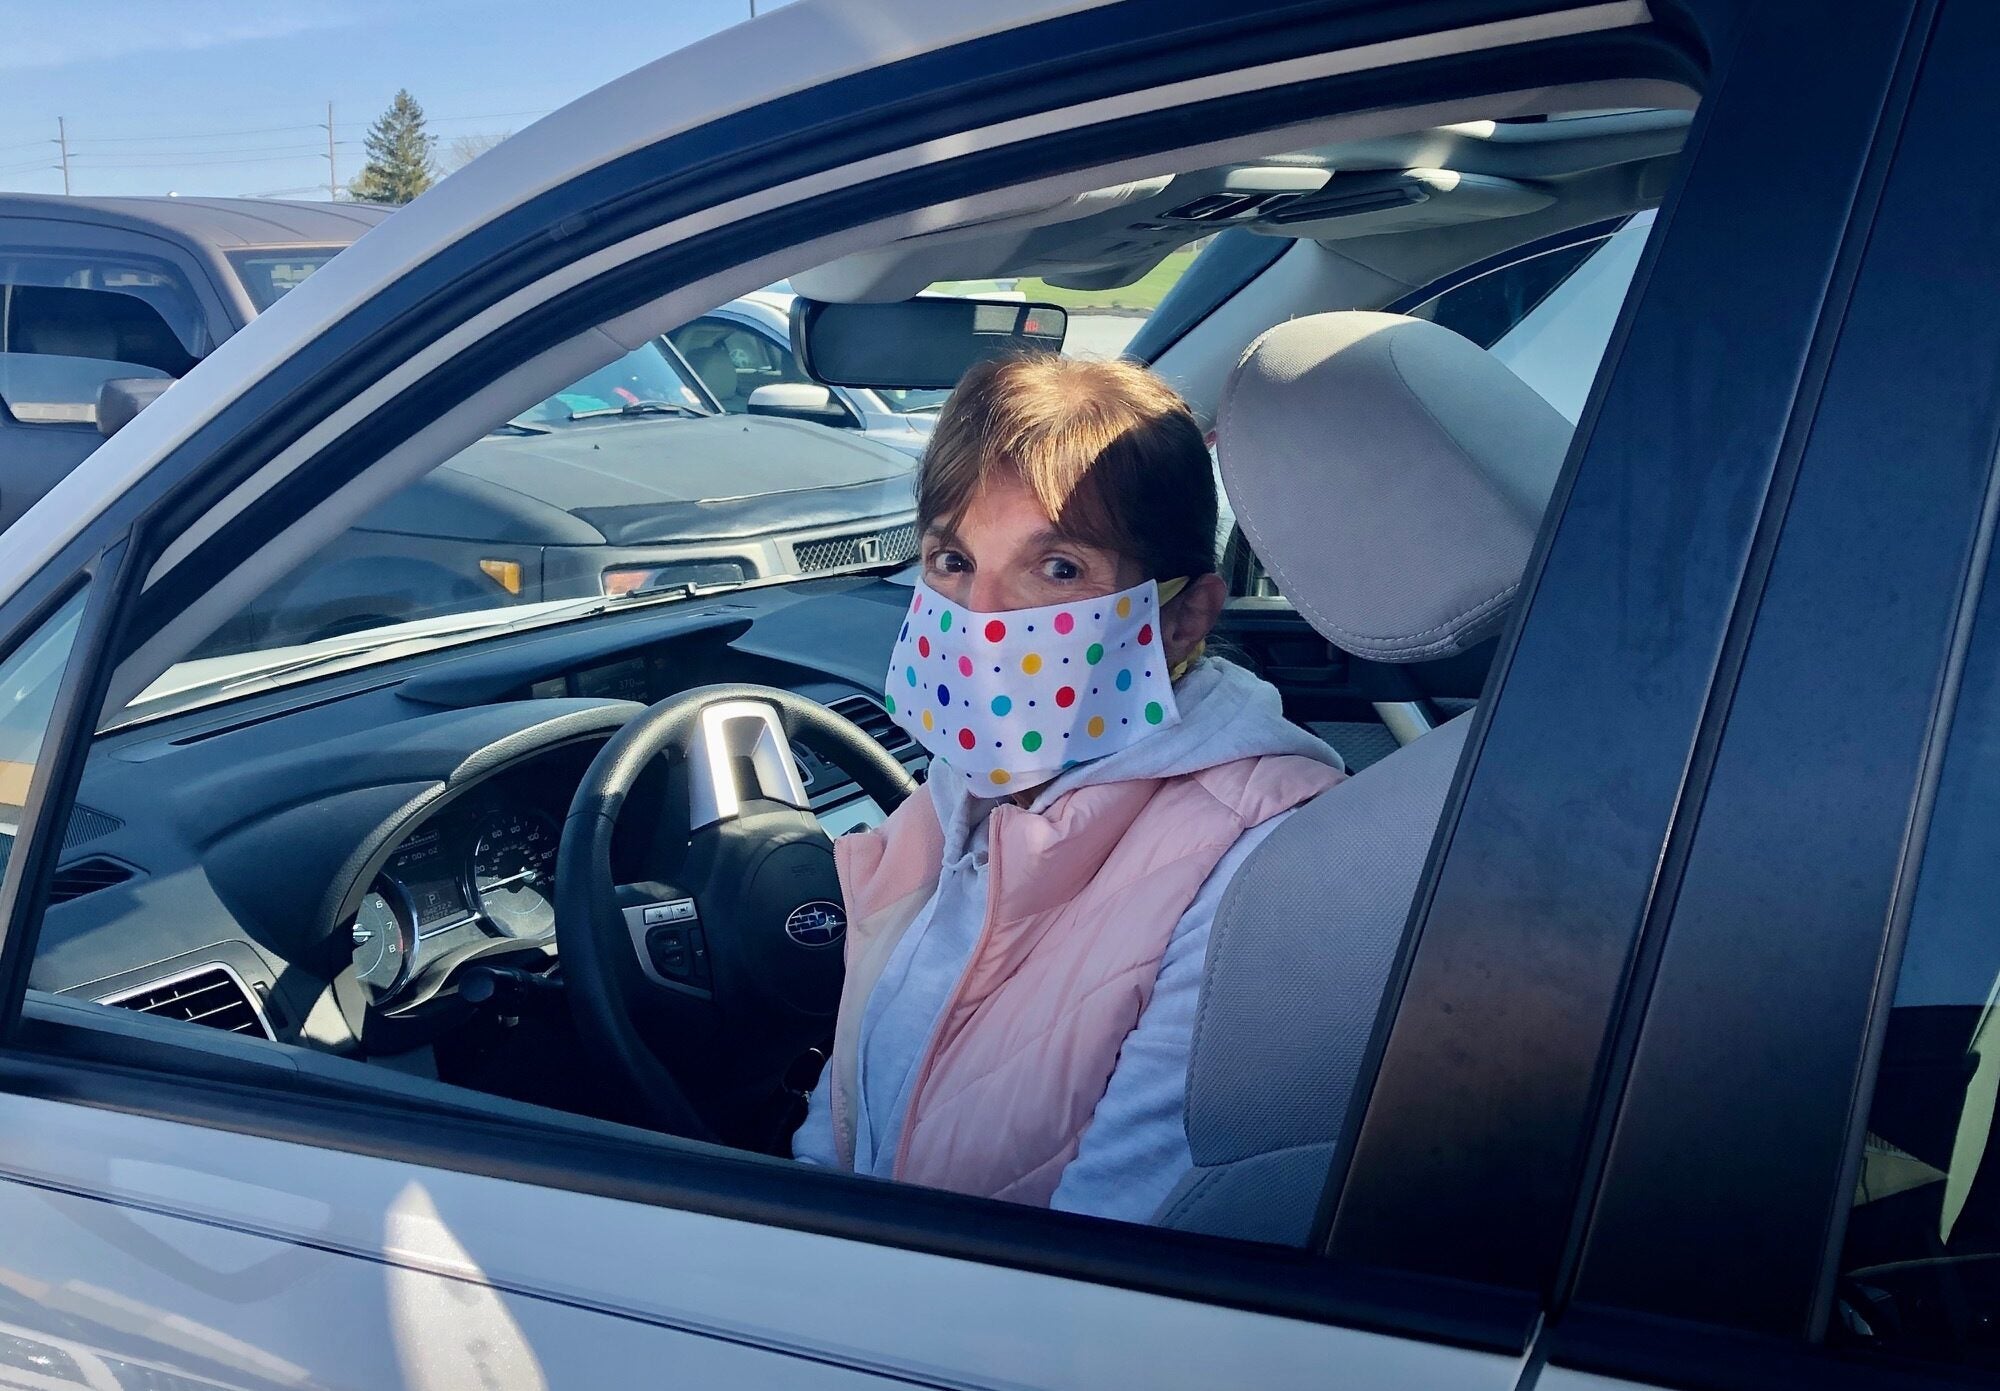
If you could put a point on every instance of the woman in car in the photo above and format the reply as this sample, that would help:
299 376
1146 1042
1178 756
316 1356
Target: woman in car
1028 934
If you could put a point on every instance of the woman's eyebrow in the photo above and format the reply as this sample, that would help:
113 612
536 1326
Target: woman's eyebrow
1056 536
943 532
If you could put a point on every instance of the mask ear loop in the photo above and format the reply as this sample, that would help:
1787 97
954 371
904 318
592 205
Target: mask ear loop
1168 591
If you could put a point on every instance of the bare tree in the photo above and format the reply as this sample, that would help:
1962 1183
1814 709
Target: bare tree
464 149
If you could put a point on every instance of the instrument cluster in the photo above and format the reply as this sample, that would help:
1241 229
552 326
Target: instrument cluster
482 869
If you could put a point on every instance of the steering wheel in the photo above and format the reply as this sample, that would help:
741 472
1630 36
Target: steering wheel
726 953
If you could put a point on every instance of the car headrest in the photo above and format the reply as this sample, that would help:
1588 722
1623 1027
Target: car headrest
716 368
1390 475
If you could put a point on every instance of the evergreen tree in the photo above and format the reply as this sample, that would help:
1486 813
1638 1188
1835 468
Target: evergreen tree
401 155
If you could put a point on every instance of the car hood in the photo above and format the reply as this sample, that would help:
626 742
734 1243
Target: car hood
623 463
657 480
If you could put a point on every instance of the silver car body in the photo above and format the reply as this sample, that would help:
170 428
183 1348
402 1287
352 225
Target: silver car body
139 1245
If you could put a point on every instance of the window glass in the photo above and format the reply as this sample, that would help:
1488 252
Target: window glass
1921 1266
268 274
29 677
1549 317
626 485
68 325
733 361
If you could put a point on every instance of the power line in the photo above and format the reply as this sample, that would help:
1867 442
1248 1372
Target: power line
200 163
193 135
172 155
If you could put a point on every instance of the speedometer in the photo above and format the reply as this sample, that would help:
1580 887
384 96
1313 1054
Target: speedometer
514 872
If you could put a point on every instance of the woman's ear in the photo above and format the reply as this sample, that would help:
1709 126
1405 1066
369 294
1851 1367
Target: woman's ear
1190 615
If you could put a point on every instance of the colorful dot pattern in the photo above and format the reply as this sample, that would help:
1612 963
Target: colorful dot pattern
1013 698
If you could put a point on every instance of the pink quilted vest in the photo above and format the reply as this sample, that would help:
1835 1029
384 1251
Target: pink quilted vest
1082 899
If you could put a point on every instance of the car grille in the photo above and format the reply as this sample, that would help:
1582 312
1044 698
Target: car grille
887 546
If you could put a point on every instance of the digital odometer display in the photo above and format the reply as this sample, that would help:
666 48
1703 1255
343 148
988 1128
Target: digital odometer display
430 879
625 680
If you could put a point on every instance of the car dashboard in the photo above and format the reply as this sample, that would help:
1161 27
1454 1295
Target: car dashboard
344 863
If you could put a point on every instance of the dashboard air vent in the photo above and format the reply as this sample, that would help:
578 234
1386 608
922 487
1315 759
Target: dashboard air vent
212 996
87 876
874 721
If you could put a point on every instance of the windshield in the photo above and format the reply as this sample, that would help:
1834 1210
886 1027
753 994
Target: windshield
643 377
628 486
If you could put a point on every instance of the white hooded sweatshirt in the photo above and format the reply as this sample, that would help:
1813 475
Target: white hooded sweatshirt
1135 1149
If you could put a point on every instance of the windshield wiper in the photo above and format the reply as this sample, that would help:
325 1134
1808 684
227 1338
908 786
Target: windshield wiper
637 408
520 427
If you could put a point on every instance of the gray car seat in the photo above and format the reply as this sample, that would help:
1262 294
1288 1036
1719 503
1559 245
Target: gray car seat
1391 476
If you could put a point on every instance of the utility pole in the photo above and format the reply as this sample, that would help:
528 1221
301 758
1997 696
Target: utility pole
62 143
332 174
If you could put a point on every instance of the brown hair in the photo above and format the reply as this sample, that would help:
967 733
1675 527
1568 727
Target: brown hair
1110 451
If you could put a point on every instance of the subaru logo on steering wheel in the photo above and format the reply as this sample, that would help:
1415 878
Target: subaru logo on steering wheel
816 924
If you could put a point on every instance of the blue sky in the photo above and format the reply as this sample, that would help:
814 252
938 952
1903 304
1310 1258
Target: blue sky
226 96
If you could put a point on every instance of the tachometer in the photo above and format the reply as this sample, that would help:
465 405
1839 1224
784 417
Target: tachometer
384 939
514 872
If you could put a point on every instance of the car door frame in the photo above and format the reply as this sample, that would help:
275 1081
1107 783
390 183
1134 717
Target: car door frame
1419 1297
1787 900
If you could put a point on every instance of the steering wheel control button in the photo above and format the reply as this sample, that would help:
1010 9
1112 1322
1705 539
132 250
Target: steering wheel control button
671 952
816 924
679 910
678 952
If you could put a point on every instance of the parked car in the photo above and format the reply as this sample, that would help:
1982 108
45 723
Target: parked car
744 347
417 1007
634 478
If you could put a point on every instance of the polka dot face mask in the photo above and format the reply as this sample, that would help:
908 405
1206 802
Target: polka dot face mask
1008 700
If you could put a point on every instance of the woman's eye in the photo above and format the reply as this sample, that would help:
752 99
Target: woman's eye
950 562
1062 570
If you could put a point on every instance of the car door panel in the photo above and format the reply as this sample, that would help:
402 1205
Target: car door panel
258 1241
1475 1135
1747 1066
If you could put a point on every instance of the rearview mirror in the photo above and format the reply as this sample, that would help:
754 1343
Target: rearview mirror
925 343
122 398
798 401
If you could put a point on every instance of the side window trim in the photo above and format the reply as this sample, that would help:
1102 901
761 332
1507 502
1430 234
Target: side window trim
65 746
